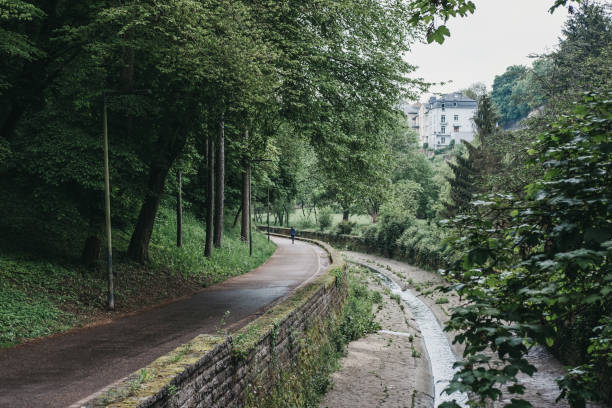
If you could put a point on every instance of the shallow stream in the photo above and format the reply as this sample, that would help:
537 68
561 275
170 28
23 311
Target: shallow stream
441 355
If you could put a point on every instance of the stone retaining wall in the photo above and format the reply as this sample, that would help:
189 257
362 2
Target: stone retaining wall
349 242
219 371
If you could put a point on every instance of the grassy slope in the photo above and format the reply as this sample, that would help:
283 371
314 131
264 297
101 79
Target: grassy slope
299 221
39 297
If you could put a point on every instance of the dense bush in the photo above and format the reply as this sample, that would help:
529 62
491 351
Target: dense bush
325 219
537 268
345 227
305 223
416 241
423 244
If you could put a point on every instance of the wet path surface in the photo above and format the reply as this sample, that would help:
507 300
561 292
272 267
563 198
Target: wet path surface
61 370
541 389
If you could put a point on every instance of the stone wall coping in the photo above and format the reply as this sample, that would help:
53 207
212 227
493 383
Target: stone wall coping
158 380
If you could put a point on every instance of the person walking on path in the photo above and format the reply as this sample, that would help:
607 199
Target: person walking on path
292 232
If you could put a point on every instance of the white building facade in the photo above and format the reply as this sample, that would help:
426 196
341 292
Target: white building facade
442 120
412 115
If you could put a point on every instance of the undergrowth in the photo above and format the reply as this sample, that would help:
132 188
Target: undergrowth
189 260
304 383
40 296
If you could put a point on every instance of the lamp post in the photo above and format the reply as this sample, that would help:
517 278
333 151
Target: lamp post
253 161
250 218
109 263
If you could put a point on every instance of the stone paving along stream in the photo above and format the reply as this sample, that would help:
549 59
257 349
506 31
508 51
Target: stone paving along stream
441 355
541 389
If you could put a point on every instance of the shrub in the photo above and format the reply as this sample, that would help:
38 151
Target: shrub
370 235
305 223
345 227
325 219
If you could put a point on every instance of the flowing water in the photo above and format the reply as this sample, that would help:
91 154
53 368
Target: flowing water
441 355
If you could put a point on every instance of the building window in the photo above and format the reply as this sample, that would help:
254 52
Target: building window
443 129
456 129
454 103
443 118
443 140
456 118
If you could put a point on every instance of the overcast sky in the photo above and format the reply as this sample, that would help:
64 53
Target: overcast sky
500 33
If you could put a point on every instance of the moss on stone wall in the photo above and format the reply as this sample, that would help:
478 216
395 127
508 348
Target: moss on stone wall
307 378
224 370
158 376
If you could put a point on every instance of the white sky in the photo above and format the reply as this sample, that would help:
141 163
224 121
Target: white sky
500 33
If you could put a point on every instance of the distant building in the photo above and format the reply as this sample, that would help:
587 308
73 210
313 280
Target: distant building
412 114
441 120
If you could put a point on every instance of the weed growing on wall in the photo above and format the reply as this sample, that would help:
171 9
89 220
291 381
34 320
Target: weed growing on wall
320 348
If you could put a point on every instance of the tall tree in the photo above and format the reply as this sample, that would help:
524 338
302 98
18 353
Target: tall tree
210 194
470 170
219 185
502 95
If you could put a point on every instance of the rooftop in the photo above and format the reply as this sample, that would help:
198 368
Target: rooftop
455 99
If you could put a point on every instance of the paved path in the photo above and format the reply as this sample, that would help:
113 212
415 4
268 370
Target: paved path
61 370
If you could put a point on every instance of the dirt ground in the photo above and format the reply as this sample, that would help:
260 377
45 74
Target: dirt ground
385 369
541 389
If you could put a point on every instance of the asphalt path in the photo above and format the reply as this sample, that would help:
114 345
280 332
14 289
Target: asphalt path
61 370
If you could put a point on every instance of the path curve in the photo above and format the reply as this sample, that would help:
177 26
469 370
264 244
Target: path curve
61 370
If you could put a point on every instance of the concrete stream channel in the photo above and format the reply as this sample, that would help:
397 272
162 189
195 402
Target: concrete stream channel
437 344
414 287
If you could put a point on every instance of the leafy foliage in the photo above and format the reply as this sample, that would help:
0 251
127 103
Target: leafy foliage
537 269
469 172
320 349
579 63
325 219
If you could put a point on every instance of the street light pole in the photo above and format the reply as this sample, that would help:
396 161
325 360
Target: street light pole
109 265
109 242
250 217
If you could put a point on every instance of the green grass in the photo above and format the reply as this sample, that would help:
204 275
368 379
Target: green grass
304 383
189 260
40 296
299 221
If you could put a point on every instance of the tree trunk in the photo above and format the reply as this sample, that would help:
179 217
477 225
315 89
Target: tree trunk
138 249
91 250
345 215
244 225
314 208
10 123
374 216
169 145
210 195
286 216
179 210
126 76
236 216
219 185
